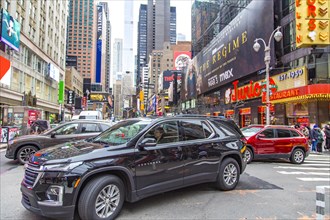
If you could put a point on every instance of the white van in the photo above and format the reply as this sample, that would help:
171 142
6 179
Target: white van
91 115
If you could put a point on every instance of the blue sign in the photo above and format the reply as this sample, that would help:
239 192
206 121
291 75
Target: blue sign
10 30
98 61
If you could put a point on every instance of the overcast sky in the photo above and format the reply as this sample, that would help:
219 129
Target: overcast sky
116 8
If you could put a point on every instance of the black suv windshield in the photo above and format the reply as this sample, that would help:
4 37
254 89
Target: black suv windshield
122 132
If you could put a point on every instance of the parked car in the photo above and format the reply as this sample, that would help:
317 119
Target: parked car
22 147
275 141
131 161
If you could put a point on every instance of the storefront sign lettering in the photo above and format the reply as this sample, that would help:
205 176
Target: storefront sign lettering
253 90
285 94
312 23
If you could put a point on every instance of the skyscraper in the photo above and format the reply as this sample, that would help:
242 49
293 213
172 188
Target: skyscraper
81 38
142 58
128 54
117 60
107 46
161 23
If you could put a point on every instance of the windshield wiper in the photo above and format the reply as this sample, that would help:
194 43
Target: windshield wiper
101 142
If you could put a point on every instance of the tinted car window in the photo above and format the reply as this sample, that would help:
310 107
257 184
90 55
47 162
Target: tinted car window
89 128
193 130
105 127
269 133
207 130
282 133
226 128
67 129
166 132
294 134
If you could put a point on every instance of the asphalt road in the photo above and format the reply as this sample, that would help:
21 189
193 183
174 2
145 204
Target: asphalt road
267 190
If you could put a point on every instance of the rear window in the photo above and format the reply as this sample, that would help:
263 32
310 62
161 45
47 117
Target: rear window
228 127
87 117
283 133
294 134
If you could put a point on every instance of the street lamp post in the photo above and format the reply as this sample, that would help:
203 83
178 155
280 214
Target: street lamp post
278 36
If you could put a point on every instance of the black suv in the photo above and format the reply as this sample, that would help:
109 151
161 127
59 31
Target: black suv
134 159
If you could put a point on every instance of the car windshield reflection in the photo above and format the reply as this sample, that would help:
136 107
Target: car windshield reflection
250 131
121 133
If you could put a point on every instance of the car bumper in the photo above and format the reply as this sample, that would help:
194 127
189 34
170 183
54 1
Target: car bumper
30 202
9 153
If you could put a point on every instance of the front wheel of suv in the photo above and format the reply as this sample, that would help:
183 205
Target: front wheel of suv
24 153
228 175
102 198
297 156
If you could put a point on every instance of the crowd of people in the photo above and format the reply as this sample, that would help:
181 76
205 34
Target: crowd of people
319 138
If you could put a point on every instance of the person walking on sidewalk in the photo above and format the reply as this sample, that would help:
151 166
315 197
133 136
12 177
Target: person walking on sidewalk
327 137
314 137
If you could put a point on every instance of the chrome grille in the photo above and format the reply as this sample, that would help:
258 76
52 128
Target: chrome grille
31 175
26 200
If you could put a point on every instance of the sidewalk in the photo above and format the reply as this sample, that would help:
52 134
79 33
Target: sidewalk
3 146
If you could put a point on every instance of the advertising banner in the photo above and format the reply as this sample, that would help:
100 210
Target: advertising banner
10 30
99 44
99 97
168 77
230 54
181 59
5 71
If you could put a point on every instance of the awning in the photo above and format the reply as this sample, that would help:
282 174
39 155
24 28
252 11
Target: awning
315 92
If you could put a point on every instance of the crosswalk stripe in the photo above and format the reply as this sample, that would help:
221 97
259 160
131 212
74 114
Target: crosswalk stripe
314 179
315 164
317 161
304 173
302 168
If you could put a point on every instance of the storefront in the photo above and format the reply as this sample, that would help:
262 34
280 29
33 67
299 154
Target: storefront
306 105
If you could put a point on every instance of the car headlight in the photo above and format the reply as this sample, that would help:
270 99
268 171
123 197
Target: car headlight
61 167
54 195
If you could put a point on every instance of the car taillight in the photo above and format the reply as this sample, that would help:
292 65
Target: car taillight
244 140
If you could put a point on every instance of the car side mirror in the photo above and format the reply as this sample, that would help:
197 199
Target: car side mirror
147 142
52 135
261 136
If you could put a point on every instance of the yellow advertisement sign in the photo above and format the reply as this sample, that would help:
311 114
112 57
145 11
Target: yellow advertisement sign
312 23
291 79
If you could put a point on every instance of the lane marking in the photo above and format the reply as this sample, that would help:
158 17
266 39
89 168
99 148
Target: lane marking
302 168
317 161
314 179
316 164
303 173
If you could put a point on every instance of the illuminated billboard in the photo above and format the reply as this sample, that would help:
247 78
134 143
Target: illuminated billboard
230 55
10 30
181 59
312 23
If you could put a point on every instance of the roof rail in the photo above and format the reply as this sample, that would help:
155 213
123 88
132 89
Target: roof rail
197 115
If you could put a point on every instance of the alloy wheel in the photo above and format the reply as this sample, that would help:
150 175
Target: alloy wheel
25 154
107 201
298 156
230 174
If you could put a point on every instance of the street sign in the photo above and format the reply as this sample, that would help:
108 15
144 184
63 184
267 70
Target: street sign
71 97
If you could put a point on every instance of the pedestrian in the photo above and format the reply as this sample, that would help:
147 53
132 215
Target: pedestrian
320 140
314 137
327 137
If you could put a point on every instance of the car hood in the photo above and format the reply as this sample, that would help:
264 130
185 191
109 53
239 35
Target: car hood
28 137
69 152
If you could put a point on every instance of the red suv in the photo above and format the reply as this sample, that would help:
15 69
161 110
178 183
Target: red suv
275 141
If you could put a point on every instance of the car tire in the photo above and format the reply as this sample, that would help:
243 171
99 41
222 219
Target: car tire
24 153
228 175
297 156
248 155
99 193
